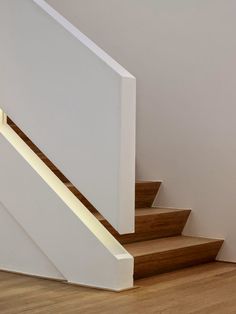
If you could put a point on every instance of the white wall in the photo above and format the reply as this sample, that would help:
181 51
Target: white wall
73 101
19 253
183 55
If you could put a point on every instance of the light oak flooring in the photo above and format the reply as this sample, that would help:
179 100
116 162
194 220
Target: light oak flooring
209 288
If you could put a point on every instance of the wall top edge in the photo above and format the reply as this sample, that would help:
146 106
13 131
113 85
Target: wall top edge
100 53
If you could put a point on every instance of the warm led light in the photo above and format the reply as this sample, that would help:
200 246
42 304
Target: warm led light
3 118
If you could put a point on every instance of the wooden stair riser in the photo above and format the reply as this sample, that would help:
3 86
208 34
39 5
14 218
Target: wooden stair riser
153 226
145 193
153 264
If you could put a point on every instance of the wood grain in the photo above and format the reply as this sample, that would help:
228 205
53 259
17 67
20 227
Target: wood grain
168 254
205 289
145 193
152 223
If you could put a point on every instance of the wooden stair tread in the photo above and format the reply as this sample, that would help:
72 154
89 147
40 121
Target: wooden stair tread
147 211
150 182
166 244
146 183
157 210
151 223
167 254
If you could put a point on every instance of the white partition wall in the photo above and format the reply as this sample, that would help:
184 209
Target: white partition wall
60 238
78 106
74 102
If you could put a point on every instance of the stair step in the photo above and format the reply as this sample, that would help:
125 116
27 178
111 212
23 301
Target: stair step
145 193
168 254
152 223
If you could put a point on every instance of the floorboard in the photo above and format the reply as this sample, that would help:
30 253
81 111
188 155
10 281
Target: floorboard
209 288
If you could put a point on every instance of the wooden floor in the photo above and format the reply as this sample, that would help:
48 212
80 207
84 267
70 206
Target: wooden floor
209 288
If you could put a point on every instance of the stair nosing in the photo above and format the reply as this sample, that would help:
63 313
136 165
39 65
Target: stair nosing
168 249
146 212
